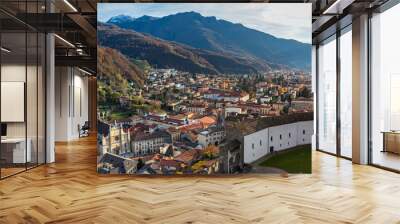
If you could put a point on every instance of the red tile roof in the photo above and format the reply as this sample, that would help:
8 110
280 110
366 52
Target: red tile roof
187 156
169 163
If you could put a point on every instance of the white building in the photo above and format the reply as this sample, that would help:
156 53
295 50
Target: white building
265 99
145 144
236 97
211 136
276 138
231 98
197 109
213 95
303 104
232 110
113 138
244 97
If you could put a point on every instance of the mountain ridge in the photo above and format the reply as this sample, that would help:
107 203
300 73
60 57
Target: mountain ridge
210 33
165 54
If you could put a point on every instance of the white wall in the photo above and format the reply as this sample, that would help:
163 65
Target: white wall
71 103
61 104
251 154
283 137
308 128
80 111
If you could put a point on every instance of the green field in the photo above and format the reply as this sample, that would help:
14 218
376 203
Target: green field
296 160
121 115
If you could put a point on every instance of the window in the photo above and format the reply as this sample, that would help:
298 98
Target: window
290 135
304 132
385 88
346 92
260 142
280 137
271 138
252 145
327 95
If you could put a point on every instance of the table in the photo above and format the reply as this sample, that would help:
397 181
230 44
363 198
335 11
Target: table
391 141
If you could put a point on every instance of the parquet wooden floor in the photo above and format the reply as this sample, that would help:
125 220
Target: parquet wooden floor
70 191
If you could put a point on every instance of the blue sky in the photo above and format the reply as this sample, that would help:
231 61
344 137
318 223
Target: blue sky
290 21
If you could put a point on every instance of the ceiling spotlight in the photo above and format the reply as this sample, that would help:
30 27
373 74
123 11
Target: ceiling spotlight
5 50
84 71
337 7
64 40
79 51
70 5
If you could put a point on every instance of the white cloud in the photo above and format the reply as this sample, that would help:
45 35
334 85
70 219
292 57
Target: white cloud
284 20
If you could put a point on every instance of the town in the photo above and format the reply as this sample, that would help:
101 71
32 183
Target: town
183 123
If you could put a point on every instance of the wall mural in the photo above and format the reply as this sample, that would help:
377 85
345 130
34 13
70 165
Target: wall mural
211 88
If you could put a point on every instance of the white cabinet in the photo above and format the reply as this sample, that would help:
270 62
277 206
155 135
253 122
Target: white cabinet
19 155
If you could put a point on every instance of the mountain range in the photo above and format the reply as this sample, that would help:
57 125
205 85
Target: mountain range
166 54
220 36
194 43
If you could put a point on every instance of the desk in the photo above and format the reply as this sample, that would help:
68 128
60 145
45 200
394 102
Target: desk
391 141
13 150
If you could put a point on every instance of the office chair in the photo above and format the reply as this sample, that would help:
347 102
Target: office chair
84 130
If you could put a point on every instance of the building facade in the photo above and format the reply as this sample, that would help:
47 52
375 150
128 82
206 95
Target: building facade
276 138
149 143
212 136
